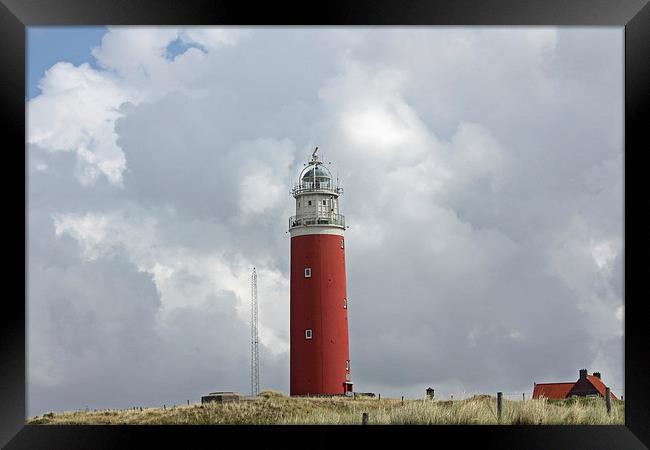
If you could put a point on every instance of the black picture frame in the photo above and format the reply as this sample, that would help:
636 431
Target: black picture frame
16 15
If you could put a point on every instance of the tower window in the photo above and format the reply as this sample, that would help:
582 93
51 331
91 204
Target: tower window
307 272
308 334
309 203
345 303
324 202
342 240
347 365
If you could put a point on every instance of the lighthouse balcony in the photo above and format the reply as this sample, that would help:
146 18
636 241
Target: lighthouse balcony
329 219
316 186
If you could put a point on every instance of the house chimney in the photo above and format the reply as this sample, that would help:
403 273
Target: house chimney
583 374
597 375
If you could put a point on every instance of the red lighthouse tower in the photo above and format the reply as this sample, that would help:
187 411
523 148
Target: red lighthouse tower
320 358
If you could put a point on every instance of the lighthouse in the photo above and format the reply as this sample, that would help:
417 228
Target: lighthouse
319 351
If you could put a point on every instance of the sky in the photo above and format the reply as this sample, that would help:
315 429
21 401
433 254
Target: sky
483 180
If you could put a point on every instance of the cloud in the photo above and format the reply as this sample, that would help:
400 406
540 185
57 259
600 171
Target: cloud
76 112
483 194
79 105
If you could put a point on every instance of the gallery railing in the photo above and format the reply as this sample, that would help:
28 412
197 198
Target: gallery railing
328 219
316 186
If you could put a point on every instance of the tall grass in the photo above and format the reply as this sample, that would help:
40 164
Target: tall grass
275 408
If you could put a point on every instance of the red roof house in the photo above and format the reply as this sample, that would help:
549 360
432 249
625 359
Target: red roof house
552 390
586 386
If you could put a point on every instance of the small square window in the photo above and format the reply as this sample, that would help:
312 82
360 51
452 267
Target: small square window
324 202
308 272
308 334
345 303
309 203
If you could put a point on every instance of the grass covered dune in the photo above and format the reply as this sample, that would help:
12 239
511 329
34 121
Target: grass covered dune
274 408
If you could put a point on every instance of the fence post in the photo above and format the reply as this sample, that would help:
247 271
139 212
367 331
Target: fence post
364 419
402 399
523 396
499 405
608 400
188 403
379 396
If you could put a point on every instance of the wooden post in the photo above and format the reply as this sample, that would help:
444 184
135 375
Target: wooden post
188 403
402 399
364 419
523 396
499 405
379 396
608 400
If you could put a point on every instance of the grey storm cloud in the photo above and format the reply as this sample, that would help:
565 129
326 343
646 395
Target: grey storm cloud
483 181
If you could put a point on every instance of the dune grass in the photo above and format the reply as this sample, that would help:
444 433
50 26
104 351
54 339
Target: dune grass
273 408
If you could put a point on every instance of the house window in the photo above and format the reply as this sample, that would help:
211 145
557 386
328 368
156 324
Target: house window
347 365
345 303
308 272
309 203
324 202
308 334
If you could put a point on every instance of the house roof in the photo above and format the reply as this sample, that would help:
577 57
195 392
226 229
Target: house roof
599 385
561 390
552 390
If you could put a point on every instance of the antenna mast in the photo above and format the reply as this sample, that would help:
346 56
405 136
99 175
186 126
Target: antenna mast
255 356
